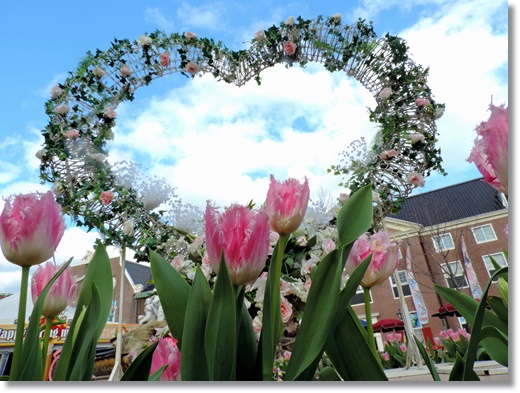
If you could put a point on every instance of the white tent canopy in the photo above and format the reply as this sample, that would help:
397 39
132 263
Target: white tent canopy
9 309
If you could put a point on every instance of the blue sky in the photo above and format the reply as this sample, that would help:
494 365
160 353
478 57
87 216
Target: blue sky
465 44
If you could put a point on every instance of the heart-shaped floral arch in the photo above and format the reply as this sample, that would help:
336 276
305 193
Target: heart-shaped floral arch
82 115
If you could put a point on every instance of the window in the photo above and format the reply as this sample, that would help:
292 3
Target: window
484 233
443 242
404 284
454 275
359 297
498 258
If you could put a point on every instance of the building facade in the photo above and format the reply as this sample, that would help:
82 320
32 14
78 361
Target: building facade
435 227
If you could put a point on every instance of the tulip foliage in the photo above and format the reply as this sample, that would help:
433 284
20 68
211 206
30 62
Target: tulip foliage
215 333
77 357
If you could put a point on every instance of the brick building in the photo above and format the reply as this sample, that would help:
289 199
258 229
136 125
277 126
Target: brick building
433 224
136 280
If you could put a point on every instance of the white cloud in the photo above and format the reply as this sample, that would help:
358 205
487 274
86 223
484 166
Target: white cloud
208 16
216 141
154 15
465 54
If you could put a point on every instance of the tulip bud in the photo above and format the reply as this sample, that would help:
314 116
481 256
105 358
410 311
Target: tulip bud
286 204
31 227
59 294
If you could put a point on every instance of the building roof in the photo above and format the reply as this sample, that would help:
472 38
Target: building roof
451 203
140 274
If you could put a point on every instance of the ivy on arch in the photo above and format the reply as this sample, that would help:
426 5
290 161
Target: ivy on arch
82 114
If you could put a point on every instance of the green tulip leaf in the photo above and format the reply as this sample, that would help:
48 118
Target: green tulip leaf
355 216
139 369
349 352
31 366
193 357
499 308
156 376
247 348
328 374
427 360
221 328
272 326
173 291
87 326
320 310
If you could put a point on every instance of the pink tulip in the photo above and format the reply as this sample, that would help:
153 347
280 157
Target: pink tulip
444 334
455 336
403 347
31 227
398 336
167 352
490 152
286 204
384 259
390 337
386 356
60 293
243 234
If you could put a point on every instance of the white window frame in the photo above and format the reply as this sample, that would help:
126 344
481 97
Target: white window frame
404 283
360 290
489 265
486 239
447 276
442 247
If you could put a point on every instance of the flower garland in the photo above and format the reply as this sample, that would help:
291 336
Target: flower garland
82 112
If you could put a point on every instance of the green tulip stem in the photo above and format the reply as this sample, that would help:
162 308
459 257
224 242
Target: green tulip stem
46 340
20 323
368 320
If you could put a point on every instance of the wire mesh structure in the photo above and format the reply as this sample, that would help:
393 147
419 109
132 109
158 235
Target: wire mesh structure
87 101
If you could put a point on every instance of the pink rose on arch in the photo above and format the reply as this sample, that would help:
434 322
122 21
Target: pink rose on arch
385 93
260 35
72 134
416 137
56 91
164 59
289 48
109 112
415 179
286 309
422 102
125 71
62 109
386 154
190 35
106 197
192 68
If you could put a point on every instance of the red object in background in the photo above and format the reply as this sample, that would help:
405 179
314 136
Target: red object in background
446 311
388 325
